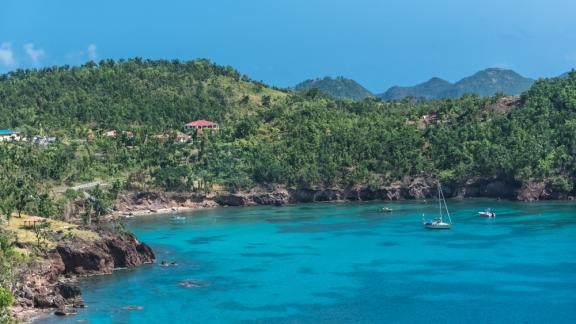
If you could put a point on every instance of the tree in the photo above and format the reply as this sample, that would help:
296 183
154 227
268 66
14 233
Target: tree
41 231
266 101
24 194
7 204
96 204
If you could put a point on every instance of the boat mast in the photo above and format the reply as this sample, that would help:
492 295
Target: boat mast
439 200
446 205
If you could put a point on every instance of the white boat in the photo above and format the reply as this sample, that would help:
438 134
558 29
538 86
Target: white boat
438 222
487 213
176 217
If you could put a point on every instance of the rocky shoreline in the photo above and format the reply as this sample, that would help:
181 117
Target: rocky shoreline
48 284
153 202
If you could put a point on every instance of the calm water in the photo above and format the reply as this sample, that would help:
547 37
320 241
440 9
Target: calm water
348 263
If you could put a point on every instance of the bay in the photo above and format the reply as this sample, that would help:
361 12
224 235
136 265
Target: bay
347 263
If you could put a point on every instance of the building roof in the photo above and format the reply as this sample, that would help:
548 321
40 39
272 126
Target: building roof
34 219
201 123
6 132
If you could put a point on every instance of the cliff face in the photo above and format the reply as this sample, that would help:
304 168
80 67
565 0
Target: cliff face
82 257
417 188
49 282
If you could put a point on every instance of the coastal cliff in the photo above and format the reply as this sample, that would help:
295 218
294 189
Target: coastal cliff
408 189
48 283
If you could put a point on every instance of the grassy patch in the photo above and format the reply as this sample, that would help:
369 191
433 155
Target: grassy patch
26 235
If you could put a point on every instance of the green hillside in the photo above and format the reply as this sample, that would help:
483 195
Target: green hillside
129 93
339 88
266 137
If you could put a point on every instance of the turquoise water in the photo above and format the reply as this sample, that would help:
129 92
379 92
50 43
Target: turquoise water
348 263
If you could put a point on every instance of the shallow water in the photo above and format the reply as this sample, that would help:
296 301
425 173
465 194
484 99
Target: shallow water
348 263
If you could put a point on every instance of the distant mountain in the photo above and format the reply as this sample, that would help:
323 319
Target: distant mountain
490 81
565 75
430 89
340 88
484 83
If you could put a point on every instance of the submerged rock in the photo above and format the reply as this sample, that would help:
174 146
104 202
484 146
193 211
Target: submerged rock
65 311
193 283
133 308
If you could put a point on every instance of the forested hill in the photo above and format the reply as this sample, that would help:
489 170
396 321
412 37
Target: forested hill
484 83
268 137
339 88
128 93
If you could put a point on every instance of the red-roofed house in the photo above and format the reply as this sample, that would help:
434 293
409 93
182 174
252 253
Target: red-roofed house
200 124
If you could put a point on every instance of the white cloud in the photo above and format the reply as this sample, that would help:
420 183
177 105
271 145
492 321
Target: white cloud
34 54
6 55
92 52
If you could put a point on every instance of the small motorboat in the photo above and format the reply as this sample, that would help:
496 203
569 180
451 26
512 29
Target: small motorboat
177 219
387 209
487 213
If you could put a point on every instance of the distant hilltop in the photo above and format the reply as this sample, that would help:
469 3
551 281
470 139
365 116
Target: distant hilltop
339 88
484 83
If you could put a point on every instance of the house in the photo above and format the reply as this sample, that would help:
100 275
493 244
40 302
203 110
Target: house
111 133
200 124
9 135
161 136
183 138
114 133
43 140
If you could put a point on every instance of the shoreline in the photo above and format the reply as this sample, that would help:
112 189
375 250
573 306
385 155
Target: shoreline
168 210
137 203
48 283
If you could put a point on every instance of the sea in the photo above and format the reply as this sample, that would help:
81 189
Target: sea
347 263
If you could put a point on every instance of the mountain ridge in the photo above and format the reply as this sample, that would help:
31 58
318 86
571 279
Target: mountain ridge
486 82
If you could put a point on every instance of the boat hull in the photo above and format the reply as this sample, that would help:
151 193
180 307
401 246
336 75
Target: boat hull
433 225
487 214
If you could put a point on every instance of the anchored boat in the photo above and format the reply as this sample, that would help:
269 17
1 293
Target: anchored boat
487 213
438 222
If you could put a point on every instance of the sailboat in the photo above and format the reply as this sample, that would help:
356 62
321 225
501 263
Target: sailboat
438 222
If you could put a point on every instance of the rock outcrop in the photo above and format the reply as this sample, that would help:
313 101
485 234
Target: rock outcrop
49 283
83 257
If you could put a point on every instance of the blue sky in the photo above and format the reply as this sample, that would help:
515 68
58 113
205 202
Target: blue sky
376 42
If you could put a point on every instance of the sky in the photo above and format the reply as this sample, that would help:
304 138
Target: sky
379 43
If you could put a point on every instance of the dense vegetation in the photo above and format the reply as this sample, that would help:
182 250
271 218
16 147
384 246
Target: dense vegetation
339 88
267 137
136 93
484 83
7 259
